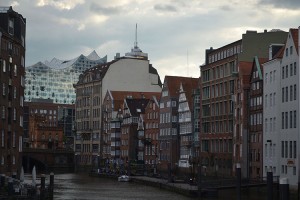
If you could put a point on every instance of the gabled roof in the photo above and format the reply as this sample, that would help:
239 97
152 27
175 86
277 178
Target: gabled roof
119 96
173 84
258 63
188 87
136 106
295 35
245 68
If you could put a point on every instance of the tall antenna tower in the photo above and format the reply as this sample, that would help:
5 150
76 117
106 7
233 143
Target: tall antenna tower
135 42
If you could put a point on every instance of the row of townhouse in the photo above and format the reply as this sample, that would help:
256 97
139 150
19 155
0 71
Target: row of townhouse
281 110
243 111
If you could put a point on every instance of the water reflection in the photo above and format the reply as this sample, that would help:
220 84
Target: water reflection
83 187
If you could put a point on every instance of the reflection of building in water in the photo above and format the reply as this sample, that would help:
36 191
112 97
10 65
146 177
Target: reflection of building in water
55 79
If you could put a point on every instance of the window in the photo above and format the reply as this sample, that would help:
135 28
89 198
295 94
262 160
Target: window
282 73
14 139
286 149
15 114
295 68
286 94
286 120
3 112
282 120
295 92
3 89
3 66
291 93
11 26
286 71
291 70
282 95
291 50
282 149
291 149
15 92
295 119
295 149
173 103
15 70
2 138
286 52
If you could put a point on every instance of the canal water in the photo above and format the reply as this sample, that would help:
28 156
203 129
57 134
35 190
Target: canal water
84 187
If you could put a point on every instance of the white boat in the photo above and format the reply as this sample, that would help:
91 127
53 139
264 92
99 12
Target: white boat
124 178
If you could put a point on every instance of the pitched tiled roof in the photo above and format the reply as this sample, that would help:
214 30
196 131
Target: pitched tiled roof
280 53
245 68
119 96
137 106
188 87
295 35
173 84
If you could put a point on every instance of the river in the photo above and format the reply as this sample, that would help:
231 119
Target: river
84 187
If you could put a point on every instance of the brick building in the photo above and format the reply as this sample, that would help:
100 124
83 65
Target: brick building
12 68
43 136
225 88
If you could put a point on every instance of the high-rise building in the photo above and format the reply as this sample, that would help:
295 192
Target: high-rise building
12 80
54 80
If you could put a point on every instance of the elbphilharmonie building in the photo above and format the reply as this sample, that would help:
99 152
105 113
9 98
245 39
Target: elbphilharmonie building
54 80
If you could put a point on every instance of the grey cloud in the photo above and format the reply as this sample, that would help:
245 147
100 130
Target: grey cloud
105 10
226 8
164 7
290 4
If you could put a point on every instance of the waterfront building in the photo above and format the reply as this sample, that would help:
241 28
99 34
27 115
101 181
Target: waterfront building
130 73
54 80
255 120
43 136
281 121
12 80
55 115
132 136
225 88
151 127
196 119
112 114
169 139
271 140
185 119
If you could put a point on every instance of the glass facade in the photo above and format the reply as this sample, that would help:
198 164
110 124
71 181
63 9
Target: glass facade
54 80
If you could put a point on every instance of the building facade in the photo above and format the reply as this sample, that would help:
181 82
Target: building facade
185 119
281 150
93 84
151 124
256 119
55 115
12 80
54 80
225 87
271 140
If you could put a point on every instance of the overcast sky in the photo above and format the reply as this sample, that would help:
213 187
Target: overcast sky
174 33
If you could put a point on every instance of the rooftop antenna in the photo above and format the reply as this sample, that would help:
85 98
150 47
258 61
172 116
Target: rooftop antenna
135 42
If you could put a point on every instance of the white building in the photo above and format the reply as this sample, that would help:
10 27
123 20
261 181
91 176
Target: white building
281 108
